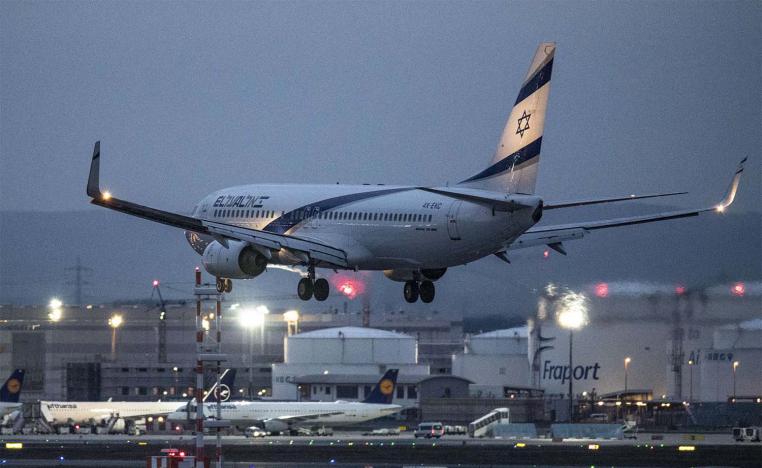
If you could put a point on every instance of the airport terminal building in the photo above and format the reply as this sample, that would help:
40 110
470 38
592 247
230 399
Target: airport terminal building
655 347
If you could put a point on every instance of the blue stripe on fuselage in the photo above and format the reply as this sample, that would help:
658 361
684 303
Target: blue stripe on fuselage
538 80
527 153
290 219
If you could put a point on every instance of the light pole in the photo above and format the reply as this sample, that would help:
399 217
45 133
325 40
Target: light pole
627 361
56 311
690 376
572 316
114 322
251 319
735 366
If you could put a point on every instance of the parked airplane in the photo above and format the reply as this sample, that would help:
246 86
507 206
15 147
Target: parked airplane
108 413
10 393
412 233
287 416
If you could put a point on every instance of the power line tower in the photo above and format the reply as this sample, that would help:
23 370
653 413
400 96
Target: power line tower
79 281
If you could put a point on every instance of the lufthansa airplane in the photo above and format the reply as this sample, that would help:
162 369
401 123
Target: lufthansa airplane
412 233
287 416
10 393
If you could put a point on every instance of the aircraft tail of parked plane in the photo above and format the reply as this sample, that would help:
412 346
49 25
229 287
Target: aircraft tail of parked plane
514 166
383 392
224 392
11 390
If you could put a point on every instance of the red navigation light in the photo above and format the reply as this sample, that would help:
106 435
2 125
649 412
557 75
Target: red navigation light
738 289
679 289
602 290
155 283
545 253
348 289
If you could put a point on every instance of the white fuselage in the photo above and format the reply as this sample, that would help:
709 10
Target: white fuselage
378 226
250 413
8 408
99 412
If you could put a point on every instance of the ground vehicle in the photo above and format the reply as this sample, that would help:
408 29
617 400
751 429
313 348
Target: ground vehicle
747 434
429 430
254 431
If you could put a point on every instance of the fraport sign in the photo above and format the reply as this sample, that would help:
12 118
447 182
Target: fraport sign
562 374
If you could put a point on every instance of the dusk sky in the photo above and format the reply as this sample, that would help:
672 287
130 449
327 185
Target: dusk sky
190 97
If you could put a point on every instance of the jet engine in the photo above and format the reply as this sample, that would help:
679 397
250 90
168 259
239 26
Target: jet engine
238 261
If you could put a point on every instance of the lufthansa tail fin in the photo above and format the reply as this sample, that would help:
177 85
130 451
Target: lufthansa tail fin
225 390
514 166
11 390
383 392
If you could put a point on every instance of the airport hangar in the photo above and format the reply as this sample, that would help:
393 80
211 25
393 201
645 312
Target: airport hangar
681 347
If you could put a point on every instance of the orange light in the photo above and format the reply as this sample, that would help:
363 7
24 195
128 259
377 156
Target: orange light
602 290
738 289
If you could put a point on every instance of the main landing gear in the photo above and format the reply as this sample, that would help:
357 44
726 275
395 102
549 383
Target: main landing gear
224 285
414 289
309 287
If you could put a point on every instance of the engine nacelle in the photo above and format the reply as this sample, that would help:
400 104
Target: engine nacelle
238 261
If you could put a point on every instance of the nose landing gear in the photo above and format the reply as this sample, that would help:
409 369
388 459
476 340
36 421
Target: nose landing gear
413 290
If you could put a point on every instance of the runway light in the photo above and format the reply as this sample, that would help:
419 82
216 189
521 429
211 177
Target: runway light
687 448
520 445
14 445
593 447
738 289
155 283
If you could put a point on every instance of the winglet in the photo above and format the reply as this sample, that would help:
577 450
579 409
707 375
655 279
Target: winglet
93 182
730 195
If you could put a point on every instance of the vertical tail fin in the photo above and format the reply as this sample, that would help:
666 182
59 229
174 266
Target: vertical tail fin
11 391
383 392
224 392
514 167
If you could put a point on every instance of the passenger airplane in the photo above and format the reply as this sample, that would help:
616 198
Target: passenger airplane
412 233
10 393
282 416
109 412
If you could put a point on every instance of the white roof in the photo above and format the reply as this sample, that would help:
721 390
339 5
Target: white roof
351 332
515 332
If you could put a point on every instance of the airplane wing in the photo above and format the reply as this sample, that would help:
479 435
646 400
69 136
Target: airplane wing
553 236
220 231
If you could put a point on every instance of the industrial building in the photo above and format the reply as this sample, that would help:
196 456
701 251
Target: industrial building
635 345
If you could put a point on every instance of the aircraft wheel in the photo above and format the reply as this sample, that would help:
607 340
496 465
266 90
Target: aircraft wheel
304 289
220 285
321 289
228 285
410 291
427 291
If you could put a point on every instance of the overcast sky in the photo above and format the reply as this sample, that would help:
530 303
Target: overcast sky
191 97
